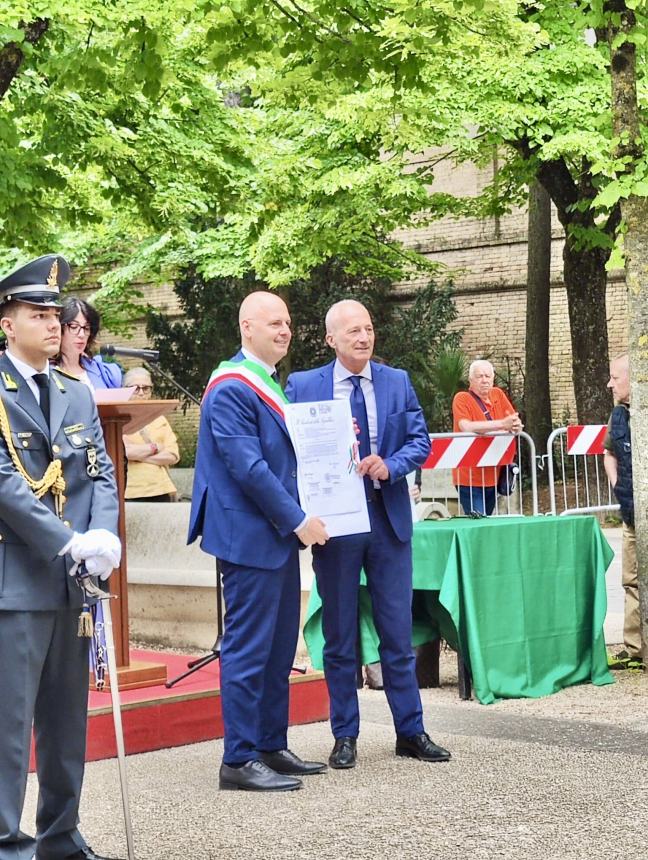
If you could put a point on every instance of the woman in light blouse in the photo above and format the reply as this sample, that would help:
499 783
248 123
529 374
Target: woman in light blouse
150 451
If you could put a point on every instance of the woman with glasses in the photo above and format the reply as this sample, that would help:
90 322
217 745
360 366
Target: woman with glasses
79 329
150 451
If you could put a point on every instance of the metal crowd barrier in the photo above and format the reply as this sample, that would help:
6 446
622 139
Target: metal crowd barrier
490 451
576 452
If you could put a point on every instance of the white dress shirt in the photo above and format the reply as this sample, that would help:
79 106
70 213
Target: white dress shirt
342 387
28 372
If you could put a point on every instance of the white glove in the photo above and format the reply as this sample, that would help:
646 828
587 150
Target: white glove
99 565
95 542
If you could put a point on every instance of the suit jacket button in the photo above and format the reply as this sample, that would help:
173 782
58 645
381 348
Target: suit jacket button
293 473
25 443
56 449
67 523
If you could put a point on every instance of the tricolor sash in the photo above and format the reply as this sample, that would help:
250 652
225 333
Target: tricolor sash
255 377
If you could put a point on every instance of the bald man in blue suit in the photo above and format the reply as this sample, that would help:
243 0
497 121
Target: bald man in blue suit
393 441
244 504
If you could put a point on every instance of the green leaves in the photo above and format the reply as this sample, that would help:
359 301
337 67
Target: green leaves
272 137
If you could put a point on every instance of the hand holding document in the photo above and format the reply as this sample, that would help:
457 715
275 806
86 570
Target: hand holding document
313 531
329 484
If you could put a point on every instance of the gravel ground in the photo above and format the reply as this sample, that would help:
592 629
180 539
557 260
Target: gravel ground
624 703
559 777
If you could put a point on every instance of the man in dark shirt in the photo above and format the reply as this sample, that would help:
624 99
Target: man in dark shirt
618 466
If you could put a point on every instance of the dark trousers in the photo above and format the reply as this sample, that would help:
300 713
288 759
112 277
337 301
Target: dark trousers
478 499
387 563
44 679
258 649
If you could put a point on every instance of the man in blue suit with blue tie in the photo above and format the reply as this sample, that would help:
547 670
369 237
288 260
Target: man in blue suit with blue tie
393 441
244 504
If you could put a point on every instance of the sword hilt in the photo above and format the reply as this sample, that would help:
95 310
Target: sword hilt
90 588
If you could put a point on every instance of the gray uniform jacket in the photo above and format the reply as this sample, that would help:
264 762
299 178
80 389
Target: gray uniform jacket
32 575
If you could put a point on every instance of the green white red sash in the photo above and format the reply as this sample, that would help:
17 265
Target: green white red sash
255 377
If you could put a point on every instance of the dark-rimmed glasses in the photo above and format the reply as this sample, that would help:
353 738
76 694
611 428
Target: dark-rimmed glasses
143 389
77 328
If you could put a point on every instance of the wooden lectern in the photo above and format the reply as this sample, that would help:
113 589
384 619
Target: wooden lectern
117 419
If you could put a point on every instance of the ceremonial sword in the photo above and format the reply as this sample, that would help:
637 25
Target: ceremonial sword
91 590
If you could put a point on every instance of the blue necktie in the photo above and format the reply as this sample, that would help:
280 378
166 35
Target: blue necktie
359 412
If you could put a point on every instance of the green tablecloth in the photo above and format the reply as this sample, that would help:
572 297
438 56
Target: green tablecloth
524 598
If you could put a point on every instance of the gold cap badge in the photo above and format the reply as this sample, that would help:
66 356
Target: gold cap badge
53 275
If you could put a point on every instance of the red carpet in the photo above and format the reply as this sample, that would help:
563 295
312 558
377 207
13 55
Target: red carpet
157 718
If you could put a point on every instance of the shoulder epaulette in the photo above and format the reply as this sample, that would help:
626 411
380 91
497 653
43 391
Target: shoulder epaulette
66 373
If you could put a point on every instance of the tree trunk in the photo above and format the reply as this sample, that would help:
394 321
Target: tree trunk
585 284
537 400
623 72
12 55
635 213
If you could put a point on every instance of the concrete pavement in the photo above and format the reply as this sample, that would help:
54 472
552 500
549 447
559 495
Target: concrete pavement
559 777
531 779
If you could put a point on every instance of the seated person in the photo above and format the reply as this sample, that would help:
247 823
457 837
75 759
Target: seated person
482 409
150 451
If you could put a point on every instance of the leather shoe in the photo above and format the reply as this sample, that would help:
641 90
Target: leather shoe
344 753
255 776
82 854
289 764
421 747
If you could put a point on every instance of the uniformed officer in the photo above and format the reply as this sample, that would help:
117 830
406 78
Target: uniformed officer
58 503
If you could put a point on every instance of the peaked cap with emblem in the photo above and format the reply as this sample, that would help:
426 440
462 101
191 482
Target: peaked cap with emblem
37 283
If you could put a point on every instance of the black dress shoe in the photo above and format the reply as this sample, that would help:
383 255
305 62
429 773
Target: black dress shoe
286 762
255 776
344 753
421 747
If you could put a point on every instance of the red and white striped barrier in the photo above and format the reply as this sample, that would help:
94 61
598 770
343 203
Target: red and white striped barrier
472 451
585 438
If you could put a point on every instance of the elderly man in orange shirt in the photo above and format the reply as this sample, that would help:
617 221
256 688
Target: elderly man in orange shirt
482 409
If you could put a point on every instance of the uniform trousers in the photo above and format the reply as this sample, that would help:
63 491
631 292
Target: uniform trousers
632 619
44 679
387 563
257 654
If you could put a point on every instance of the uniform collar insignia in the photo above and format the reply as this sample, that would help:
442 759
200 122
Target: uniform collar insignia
9 382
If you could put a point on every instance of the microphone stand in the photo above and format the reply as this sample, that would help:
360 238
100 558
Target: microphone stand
156 370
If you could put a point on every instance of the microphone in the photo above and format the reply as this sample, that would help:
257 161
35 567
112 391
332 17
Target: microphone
127 352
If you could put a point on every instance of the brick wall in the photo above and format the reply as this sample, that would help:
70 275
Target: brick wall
487 260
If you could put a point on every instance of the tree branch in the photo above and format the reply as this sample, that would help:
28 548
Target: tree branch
556 179
359 20
432 164
319 23
286 13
